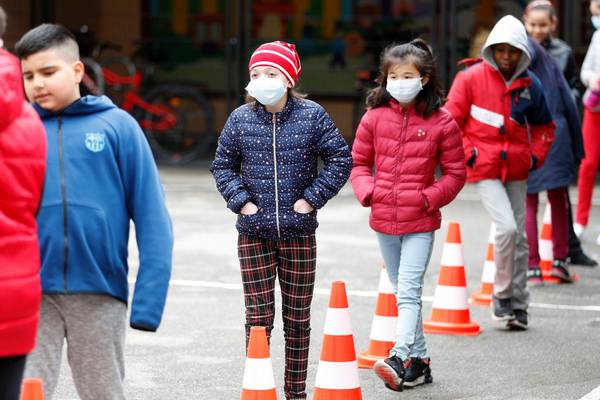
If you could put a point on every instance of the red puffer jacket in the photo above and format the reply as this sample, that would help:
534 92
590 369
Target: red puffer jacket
22 167
405 149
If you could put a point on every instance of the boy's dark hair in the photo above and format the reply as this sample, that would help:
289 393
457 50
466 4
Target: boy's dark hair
2 22
431 98
44 37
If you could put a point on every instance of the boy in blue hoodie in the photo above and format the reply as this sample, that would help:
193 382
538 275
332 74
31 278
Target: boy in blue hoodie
100 175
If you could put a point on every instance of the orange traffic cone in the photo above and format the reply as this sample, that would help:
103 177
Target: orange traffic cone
337 373
484 297
450 314
32 389
258 383
545 249
383 329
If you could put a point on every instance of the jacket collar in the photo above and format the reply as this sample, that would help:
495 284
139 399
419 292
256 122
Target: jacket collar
397 107
521 81
282 116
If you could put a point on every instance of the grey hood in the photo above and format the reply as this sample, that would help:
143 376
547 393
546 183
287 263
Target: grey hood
508 30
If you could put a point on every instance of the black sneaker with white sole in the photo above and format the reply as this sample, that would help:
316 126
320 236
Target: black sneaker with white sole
502 309
391 372
417 372
519 323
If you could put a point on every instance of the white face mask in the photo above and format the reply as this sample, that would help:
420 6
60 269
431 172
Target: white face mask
404 90
1 44
267 91
596 21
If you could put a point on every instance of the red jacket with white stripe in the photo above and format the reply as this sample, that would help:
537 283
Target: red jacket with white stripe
497 122
507 127
406 149
22 166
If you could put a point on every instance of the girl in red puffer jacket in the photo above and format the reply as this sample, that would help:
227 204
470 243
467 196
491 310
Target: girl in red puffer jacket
405 134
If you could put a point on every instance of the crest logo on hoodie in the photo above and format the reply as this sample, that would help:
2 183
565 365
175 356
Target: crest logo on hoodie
525 94
95 142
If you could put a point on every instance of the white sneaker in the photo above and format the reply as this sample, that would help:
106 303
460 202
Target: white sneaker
578 228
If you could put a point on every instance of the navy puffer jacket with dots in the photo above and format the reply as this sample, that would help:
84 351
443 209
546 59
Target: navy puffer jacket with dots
272 161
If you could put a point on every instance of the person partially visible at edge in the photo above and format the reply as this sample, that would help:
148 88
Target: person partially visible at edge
22 165
590 76
3 23
100 176
559 170
406 136
540 21
507 133
266 169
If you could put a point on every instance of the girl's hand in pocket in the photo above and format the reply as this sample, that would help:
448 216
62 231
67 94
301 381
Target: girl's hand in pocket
249 209
303 207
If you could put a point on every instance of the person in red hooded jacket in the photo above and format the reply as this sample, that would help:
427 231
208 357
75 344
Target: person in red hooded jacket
22 168
507 132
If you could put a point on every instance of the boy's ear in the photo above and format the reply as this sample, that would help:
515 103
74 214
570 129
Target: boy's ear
79 71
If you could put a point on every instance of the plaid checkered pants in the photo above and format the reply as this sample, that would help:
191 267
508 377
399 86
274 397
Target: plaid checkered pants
294 262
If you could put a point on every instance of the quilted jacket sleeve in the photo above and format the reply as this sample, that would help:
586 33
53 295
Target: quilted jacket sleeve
363 156
226 166
453 169
335 153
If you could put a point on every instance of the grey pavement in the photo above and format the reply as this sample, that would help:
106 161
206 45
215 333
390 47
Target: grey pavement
198 352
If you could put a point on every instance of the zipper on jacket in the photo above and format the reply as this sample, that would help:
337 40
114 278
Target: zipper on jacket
401 160
276 177
63 190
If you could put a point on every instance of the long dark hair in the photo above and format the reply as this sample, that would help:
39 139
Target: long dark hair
431 98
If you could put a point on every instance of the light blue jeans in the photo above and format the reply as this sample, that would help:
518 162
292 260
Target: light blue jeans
406 258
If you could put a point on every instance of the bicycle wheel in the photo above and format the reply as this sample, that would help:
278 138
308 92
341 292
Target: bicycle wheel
93 80
121 68
187 133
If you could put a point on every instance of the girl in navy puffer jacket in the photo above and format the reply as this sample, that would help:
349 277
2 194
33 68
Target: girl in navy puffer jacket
406 135
266 169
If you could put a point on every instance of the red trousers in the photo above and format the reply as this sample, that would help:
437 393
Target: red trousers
589 165
560 228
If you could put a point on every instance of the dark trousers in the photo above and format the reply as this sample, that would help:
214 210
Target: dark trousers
560 231
11 375
293 261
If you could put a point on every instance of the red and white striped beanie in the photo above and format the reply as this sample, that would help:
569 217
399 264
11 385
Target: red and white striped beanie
280 55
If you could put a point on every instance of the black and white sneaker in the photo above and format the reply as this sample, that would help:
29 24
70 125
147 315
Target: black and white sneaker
391 372
534 276
582 259
561 271
519 323
502 309
417 372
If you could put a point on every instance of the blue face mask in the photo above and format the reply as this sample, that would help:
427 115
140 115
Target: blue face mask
596 21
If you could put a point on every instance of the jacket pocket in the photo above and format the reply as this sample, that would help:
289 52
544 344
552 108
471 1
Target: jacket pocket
90 238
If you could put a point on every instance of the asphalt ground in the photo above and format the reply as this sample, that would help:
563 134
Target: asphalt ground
198 352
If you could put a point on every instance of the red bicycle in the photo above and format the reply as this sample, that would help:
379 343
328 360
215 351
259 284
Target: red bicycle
177 119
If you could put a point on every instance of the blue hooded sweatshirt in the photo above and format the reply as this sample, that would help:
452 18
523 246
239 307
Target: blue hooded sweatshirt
100 175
